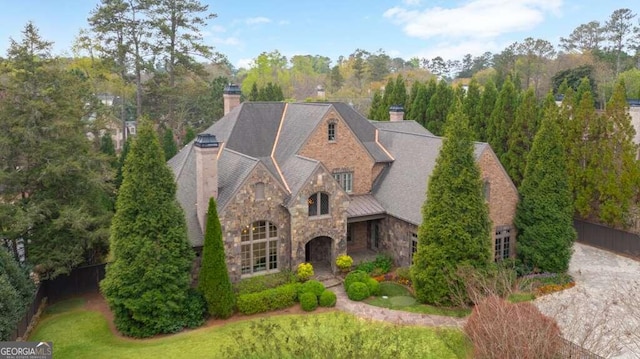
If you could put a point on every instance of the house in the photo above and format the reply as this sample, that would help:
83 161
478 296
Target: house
298 182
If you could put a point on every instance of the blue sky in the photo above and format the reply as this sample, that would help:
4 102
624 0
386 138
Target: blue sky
404 28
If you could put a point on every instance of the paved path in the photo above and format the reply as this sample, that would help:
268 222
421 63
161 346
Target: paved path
602 312
367 311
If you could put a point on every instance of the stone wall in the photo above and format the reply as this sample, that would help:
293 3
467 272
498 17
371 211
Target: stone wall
333 225
346 153
243 209
397 239
359 237
503 196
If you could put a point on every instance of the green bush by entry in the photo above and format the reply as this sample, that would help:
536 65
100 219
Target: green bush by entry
305 271
264 282
311 286
344 262
374 286
267 300
355 276
308 301
328 299
358 291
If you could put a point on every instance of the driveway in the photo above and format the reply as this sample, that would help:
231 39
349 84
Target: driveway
602 312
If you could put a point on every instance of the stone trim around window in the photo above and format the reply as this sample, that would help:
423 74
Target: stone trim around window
259 248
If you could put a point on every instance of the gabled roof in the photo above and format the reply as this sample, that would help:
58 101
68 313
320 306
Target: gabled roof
402 188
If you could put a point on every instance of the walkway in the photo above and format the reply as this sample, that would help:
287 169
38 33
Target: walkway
367 311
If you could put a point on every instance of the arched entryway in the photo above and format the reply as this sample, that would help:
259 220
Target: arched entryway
318 252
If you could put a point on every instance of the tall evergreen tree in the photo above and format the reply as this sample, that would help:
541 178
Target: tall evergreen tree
214 276
439 107
520 137
376 102
502 118
544 216
419 106
399 93
254 94
455 228
148 279
169 146
473 110
487 103
413 93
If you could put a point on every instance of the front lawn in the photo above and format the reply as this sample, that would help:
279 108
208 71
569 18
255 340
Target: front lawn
79 333
396 296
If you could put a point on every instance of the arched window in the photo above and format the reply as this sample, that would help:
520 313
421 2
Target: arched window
259 248
259 189
318 204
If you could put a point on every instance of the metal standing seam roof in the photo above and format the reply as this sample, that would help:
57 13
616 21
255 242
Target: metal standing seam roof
364 205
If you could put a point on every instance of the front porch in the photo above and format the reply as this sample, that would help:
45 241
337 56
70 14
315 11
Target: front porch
364 223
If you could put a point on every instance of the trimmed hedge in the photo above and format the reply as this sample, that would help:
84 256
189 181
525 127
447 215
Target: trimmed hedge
311 286
374 286
263 282
358 291
271 299
328 299
355 276
308 301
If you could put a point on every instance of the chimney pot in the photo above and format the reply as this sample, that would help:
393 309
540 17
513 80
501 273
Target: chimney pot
231 97
396 113
206 140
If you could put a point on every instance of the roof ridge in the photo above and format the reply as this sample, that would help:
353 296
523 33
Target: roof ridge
182 163
306 158
424 135
242 154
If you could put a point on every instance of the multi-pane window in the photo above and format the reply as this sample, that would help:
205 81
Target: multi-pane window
345 179
259 191
414 245
502 243
486 189
318 204
331 131
259 248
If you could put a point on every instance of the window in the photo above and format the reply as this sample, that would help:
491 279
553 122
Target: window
318 204
331 131
259 248
259 191
349 232
503 243
486 189
345 179
414 245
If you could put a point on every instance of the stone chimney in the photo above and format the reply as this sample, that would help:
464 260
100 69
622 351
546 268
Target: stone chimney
231 97
206 148
396 113
320 92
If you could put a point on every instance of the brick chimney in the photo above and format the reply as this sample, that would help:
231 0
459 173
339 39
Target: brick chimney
396 113
231 96
320 92
206 147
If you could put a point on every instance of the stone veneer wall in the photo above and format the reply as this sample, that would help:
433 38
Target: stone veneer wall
243 209
333 225
346 153
397 239
503 197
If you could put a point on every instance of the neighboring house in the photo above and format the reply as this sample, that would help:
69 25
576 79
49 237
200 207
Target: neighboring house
298 182
113 125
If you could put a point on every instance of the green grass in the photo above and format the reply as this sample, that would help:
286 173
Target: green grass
65 306
400 298
78 333
521 297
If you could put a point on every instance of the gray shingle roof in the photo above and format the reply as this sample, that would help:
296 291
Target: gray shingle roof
297 170
363 129
299 121
402 126
402 188
255 128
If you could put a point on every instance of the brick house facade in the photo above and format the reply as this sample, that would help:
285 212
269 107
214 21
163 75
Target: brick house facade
310 181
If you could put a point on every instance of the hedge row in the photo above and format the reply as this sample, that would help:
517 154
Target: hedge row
267 300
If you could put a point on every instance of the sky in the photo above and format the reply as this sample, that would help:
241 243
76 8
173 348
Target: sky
243 30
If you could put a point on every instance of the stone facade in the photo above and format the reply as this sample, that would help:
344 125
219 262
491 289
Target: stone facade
333 225
345 154
397 239
244 209
503 195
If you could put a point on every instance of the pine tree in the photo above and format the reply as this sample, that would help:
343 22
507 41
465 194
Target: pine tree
419 106
439 107
399 93
487 103
169 146
455 227
254 94
473 110
544 217
521 136
214 276
376 102
411 98
147 282
502 118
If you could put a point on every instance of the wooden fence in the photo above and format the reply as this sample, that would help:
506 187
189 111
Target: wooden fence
611 239
23 324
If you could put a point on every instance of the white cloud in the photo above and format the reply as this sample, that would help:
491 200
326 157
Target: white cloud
257 20
474 19
218 29
456 51
225 40
246 63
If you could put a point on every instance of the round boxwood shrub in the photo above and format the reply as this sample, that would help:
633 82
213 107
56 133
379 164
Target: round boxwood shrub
308 301
344 262
328 299
358 291
355 276
312 286
304 271
374 286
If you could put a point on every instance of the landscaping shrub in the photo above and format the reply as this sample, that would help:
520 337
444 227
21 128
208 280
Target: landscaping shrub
311 286
403 273
374 286
344 262
308 301
358 291
328 299
305 271
366 266
263 282
381 265
503 330
195 308
270 299
355 276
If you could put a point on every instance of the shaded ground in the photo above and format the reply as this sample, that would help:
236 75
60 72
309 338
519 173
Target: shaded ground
602 312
